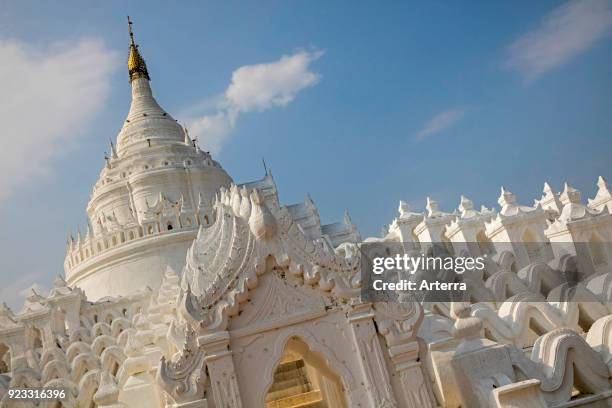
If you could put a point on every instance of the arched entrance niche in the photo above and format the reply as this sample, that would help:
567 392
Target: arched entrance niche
302 377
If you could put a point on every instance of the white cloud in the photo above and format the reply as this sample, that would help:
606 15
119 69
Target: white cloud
253 88
262 86
441 122
48 98
563 34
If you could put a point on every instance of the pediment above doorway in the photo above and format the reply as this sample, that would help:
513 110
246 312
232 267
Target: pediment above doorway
277 302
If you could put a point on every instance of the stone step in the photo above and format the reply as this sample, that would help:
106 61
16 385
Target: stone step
292 365
305 400
286 392
288 383
286 375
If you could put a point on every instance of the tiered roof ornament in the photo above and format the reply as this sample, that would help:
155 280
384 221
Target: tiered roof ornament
433 210
466 208
508 203
550 200
579 223
570 195
573 208
603 197
401 228
466 227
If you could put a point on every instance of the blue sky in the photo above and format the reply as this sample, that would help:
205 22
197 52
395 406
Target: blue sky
376 102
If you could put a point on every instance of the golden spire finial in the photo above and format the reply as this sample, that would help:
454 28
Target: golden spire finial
136 64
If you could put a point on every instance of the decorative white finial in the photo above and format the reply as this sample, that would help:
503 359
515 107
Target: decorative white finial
404 208
602 183
506 198
603 198
570 195
432 207
548 188
465 204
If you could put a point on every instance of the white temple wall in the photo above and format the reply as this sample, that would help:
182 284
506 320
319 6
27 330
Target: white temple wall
133 266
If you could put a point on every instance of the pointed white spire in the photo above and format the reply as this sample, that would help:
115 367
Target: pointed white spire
113 150
138 131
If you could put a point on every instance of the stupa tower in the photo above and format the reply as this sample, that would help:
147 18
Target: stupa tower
154 191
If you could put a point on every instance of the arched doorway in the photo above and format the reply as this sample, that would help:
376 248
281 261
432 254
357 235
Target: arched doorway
304 379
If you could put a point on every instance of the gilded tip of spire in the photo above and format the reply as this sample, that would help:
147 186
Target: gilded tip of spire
137 67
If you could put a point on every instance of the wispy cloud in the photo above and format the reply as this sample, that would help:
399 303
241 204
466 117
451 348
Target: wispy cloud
49 97
253 88
563 34
441 122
